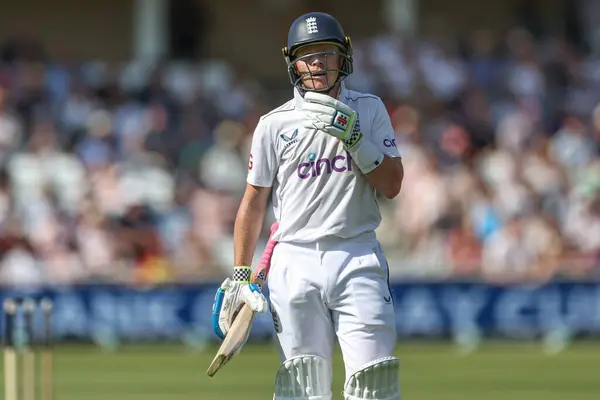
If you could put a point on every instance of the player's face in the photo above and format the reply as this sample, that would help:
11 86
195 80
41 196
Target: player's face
318 64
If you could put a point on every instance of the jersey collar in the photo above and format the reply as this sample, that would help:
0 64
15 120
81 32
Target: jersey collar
299 100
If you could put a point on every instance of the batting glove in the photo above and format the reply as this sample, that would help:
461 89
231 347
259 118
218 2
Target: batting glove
230 298
326 114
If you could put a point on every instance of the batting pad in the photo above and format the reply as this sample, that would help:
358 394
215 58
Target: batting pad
305 377
377 380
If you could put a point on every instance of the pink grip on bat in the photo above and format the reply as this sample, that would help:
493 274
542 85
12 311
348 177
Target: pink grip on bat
265 260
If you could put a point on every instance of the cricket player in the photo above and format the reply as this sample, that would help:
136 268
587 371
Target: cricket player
321 156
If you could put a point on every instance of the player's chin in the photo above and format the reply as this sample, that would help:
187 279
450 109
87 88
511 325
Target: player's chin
316 83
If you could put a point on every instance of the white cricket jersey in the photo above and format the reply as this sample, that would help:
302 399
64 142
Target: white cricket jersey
318 191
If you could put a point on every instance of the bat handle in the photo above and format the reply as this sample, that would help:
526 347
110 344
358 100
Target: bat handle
265 260
274 227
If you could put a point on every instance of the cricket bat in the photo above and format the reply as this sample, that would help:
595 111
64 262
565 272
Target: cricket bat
242 324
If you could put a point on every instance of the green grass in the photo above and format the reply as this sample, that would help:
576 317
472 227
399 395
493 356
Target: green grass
430 371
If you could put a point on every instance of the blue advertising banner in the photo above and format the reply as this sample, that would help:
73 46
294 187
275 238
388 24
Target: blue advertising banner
106 313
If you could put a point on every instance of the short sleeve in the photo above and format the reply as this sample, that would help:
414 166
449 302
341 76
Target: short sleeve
383 134
263 162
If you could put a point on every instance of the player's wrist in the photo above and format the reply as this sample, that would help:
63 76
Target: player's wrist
365 154
352 139
353 134
242 273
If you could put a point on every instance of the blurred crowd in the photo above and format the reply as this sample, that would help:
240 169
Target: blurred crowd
500 138
132 173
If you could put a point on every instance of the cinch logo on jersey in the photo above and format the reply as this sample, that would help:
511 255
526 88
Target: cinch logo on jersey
389 142
314 167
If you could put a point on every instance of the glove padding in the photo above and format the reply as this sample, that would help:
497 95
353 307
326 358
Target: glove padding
230 298
326 114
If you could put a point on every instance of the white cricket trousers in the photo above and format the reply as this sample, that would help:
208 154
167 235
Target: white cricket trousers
333 288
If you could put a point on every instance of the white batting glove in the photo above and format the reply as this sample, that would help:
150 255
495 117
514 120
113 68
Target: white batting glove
326 114
230 298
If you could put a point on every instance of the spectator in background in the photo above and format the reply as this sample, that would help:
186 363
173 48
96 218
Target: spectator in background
138 241
506 256
465 248
11 129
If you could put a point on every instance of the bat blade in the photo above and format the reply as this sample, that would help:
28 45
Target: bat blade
234 341
242 324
